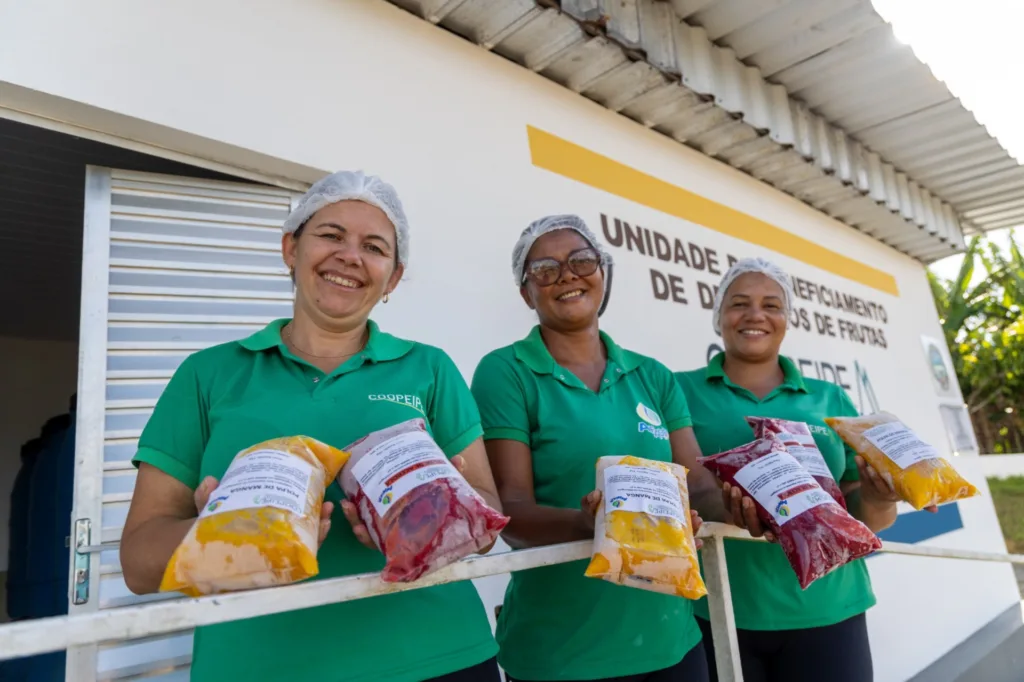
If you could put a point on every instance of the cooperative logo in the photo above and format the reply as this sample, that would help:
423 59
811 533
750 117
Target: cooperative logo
782 508
648 415
656 431
385 496
215 504
618 501
406 400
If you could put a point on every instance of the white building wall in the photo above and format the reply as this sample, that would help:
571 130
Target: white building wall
1002 466
360 84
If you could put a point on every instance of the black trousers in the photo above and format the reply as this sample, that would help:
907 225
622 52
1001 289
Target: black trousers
837 653
482 672
693 668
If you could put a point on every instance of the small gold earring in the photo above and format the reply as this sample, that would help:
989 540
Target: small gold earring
386 296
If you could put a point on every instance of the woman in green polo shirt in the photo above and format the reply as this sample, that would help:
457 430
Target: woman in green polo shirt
330 373
552 404
786 634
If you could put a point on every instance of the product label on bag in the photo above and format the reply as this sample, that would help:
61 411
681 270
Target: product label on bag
805 450
900 444
642 489
394 468
265 478
782 485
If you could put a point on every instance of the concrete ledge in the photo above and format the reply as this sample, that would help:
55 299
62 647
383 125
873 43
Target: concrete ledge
995 653
1004 664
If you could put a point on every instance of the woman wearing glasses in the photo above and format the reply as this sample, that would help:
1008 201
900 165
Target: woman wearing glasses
551 404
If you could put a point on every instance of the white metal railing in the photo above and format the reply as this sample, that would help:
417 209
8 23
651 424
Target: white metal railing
716 575
42 635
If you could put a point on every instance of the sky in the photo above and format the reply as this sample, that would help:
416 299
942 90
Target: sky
974 47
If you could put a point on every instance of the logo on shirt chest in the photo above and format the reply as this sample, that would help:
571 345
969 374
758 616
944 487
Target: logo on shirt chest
819 430
406 400
650 422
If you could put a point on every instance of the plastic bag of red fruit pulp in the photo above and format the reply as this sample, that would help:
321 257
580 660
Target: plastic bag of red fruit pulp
419 510
816 534
799 442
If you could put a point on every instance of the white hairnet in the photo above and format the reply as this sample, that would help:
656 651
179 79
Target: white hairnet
354 185
742 267
549 224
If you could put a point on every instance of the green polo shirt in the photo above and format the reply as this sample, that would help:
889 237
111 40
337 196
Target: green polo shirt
229 397
765 591
557 624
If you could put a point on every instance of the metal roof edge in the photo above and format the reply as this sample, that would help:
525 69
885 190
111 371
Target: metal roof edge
639 59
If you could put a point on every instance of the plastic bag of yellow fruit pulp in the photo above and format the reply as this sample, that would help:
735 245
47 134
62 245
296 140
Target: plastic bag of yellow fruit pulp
260 526
643 535
914 469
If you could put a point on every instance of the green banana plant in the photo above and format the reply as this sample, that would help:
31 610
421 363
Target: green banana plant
981 315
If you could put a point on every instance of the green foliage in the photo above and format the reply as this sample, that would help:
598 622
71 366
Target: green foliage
980 311
1008 498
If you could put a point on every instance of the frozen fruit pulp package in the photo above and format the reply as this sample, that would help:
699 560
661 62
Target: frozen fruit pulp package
799 442
419 510
643 535
816 534
914 469
260 526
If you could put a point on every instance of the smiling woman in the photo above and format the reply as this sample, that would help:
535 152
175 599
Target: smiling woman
318 374
338 290
552 404
785 632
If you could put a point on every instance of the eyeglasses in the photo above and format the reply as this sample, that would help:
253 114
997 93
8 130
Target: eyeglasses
546 271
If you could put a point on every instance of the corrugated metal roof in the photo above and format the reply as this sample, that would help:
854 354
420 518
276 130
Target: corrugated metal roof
815 97
841 59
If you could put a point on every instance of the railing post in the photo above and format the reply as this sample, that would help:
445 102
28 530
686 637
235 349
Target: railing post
723 621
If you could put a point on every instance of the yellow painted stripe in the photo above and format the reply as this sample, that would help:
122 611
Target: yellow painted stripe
583 165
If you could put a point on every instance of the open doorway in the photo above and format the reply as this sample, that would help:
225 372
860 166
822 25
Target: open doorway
42 199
